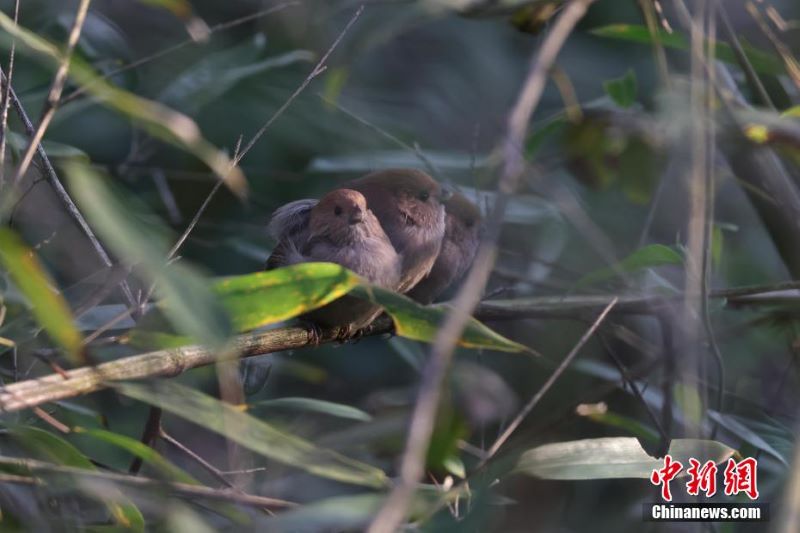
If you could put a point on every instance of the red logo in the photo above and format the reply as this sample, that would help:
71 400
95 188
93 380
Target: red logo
738 477
664 475
741 477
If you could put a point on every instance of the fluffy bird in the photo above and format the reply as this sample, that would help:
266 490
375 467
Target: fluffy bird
410 207
461 237
339 228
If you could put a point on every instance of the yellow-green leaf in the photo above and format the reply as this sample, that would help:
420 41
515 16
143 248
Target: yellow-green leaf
255 300
419 322
159 121
254 434
49 307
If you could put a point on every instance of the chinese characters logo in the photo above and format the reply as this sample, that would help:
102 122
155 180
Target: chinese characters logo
737 477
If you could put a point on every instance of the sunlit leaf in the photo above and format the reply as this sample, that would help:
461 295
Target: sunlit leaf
622 90
159 120
57 450
188 300
261 298
599 413
254 434
762 62
312 405
649 256
420 322
612 457
49 307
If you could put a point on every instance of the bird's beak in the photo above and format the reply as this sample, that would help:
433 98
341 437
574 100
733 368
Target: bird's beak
356 217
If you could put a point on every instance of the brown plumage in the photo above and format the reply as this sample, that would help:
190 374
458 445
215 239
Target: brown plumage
410 207
461 237
339 228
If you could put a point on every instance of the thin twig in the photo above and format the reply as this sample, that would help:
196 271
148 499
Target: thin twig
741 57
182 489
61 193
208 467
239 153
393 138
634 387
51 104
412 464
318 69
174 48
549 383
151 431
6 101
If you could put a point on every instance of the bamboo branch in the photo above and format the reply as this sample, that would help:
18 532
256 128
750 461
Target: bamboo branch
166 363
171 362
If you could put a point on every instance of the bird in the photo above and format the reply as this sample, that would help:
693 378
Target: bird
338 228
461 236
410 207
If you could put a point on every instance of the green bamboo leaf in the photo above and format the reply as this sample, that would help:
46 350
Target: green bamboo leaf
57 450
420 322
736 426
188 300
254 434
622 90
255 300
49 306
612 457
314 406
160 121
762 62
649 256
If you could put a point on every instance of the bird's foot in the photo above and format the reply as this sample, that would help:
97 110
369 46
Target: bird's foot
313 331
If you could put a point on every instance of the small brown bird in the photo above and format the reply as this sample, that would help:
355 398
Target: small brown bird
339 228
410 207
461 236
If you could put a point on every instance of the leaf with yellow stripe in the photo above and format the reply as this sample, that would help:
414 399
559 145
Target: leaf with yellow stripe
420 322
262 298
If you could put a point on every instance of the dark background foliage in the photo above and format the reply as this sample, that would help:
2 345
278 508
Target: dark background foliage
419 84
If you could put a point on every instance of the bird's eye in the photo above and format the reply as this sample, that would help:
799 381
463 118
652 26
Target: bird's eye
424 195
337 211
469 223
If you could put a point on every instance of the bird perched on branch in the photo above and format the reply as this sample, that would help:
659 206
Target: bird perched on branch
461 236
339 228
410 207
